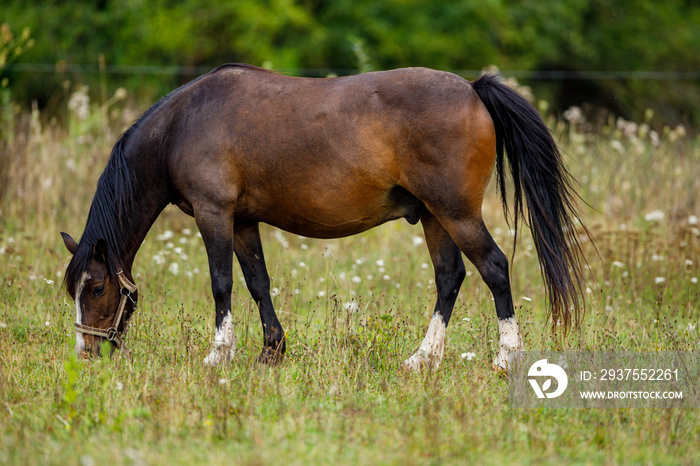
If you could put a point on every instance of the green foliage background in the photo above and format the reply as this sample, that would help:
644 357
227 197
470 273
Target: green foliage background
323 35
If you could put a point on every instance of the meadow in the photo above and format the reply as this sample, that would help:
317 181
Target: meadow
353 309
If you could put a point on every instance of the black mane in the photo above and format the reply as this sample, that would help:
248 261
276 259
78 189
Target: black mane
109 215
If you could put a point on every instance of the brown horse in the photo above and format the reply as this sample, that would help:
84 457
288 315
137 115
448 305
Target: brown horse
326 158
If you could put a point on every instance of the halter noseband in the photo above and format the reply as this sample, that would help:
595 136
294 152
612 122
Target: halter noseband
112 333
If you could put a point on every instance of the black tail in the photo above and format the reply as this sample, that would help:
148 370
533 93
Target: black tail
538 173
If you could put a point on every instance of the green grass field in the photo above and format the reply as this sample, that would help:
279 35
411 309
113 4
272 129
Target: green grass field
353 310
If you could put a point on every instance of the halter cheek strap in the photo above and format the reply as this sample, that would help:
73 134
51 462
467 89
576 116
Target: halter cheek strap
112 333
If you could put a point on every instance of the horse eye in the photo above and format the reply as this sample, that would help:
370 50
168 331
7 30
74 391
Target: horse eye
98 291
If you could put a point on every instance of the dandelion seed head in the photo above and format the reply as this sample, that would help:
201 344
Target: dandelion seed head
166 235
654 216
351 306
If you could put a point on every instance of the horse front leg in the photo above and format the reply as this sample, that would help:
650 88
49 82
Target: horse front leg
216 227
248 249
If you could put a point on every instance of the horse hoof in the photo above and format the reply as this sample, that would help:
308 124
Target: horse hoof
219 356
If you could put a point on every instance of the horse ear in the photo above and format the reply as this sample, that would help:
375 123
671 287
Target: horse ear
70 243
99 252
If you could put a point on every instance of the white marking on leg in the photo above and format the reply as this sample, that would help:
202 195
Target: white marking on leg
79 340
224 343
510 344
429 354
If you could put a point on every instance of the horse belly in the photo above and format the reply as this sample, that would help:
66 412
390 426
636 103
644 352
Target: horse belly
335 215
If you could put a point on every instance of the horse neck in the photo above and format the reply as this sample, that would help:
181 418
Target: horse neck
150 198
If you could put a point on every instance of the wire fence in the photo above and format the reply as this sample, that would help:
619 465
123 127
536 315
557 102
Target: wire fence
543 75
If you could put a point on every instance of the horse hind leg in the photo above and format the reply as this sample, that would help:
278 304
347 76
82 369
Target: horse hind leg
449 274
248 249
477 244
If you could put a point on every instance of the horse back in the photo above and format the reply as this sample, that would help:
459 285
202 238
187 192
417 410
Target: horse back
342 154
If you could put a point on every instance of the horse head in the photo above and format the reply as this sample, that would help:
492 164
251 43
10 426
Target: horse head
104 298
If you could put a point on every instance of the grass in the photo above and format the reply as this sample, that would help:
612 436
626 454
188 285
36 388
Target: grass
353 309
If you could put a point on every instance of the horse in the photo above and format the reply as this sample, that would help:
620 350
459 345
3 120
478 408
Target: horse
328 158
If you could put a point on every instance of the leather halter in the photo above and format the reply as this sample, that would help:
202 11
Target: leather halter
112 333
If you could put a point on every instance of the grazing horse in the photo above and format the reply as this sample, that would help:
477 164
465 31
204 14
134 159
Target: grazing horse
327 158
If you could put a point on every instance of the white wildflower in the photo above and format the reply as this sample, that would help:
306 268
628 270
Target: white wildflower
356 279
321 294
527 299
468 356
574 115
659 280
174 268
693 220
380 263
166 235
617 146
351 306
618 264
418 240
654 216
